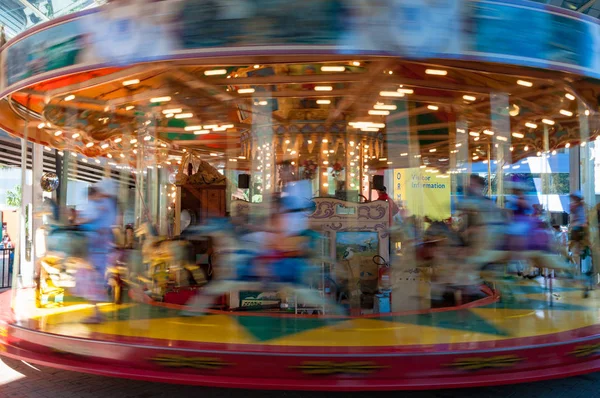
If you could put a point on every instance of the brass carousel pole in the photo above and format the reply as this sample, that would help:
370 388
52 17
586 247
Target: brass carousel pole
140 177
415 159
499 108
37 221
587 171
153 176
24 279
489 169
586 158
461 153
545 168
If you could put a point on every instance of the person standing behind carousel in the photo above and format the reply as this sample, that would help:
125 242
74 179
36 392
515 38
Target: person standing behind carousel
394 209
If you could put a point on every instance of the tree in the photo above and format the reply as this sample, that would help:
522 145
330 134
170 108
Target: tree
13 197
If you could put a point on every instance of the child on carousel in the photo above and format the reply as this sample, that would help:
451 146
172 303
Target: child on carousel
284 239
288 239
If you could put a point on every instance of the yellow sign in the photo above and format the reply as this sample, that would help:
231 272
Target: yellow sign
422 193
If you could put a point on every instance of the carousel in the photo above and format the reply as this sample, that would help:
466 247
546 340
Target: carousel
295 221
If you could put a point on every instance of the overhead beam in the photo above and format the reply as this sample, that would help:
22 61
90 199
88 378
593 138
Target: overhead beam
301 94
140 97
119 76
279 79
373 75
547 77
216 93
80 100
442 86
234 140
586 6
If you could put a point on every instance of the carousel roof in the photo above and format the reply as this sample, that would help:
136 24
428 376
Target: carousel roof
212 109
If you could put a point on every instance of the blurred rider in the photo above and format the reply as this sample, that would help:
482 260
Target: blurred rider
521 223
578 226
98 218
484 221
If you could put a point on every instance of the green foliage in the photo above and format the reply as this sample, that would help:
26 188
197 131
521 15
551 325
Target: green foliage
558 183
13 197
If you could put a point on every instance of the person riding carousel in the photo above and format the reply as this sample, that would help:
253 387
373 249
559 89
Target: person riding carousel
288 240
522 221
578 225
484 223
529 238
97 221
280 256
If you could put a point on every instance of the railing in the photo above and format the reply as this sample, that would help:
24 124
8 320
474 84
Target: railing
6 267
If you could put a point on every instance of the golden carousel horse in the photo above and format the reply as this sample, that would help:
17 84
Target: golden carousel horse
168 263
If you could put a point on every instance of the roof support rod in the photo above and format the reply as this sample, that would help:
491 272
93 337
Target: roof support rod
35 10
586 6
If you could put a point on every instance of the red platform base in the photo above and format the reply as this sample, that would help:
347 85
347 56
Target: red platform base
225 367
273 365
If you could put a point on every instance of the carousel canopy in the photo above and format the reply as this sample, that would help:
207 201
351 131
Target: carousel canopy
229 109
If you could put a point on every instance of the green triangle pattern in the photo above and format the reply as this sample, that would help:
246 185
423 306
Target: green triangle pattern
530 304
143 311
463 320
274 327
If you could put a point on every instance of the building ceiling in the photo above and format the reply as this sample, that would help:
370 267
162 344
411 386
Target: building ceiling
19 15
588 7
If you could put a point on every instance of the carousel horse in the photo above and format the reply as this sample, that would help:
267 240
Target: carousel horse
65 254
588 246
242 264
534 246
445 250
168 262
594 239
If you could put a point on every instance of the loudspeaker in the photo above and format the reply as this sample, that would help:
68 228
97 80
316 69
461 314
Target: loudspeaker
378 182
244 181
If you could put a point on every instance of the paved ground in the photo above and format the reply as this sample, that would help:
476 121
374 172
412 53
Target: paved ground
18 379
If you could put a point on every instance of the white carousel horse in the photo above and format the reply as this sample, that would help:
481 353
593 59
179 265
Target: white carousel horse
239 270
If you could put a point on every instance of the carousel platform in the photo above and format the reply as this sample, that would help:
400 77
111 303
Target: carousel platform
535 335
